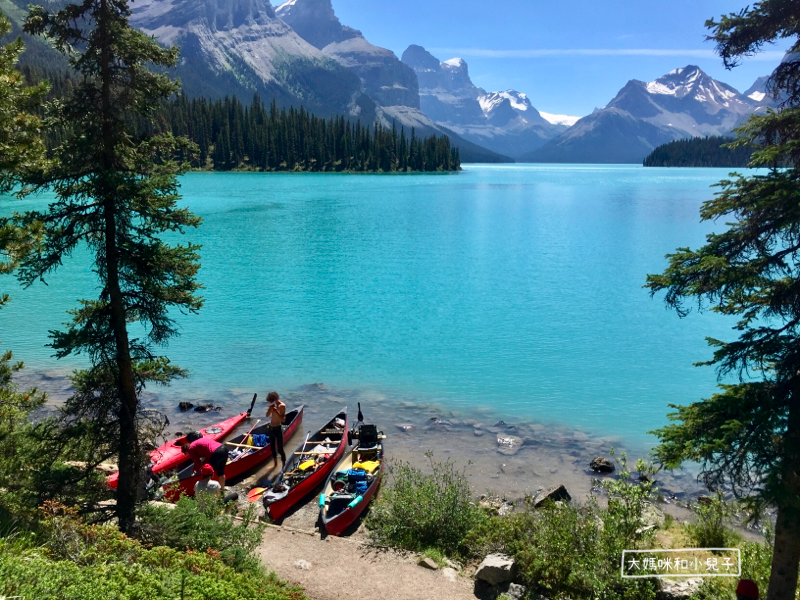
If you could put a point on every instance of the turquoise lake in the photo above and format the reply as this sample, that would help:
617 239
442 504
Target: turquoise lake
514 290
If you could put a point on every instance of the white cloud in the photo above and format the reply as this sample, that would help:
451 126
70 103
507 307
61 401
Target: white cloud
768 55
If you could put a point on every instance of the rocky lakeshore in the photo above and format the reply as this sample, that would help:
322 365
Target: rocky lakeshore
508 459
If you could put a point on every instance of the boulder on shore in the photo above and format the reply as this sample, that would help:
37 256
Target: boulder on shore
600 464
428 563
555 493
496 568
678 590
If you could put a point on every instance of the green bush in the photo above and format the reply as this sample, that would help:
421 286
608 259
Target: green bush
709 529
202 525
421 511
88 562
756 565
565 550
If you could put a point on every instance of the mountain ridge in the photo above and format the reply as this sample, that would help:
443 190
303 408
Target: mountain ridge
683 103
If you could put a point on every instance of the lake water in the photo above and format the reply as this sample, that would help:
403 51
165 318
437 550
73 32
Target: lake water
512 292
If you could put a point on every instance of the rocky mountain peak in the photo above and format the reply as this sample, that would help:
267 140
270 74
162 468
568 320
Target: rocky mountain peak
692 81
420 59
315 22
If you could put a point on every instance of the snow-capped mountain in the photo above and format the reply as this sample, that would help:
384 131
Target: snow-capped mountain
683 103
387 80
500 108
240 47
505 122
565 120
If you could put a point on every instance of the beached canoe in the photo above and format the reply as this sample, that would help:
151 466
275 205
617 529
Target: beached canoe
243 455
354 482
308 467
169 455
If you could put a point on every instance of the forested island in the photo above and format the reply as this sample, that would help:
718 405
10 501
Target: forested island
232 136
699 152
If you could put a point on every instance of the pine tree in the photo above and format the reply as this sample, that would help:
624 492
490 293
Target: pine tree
747 436
116 193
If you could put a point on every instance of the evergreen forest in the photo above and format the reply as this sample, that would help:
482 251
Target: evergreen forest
699 152
230 135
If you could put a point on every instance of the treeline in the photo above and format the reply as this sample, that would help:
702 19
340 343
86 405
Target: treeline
231 136
698 152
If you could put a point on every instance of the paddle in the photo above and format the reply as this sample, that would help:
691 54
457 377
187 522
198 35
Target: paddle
256 493
251 430
252 404
351 433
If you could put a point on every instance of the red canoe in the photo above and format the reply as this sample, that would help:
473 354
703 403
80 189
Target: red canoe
341 503
245 458
299 478
169 456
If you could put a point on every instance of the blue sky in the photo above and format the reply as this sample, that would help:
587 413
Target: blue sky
568 56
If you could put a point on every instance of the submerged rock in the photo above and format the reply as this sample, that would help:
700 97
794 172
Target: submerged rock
508 444
184 406
600 464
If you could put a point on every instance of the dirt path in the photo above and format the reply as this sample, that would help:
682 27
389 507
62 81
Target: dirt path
336 568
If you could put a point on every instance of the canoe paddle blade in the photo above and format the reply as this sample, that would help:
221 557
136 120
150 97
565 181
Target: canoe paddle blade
256 493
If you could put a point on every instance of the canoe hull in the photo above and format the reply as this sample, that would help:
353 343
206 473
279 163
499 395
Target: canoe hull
169 456
338 524
187 478
343 520
299 492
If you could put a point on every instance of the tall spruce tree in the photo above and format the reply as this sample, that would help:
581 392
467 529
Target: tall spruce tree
747 436
115 192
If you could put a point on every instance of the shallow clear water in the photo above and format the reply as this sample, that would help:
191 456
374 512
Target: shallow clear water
514 289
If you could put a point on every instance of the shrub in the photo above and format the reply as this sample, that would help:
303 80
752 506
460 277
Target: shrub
200 526
88 562
421 511
565 550
756 565
709 529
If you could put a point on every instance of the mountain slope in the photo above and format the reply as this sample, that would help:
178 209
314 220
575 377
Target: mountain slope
504 122
684 103
241 47
387 80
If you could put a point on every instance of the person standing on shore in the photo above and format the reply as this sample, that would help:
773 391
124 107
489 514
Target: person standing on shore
203 450
276 413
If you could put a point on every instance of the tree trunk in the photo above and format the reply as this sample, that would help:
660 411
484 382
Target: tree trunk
786 559
786 556
128 447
